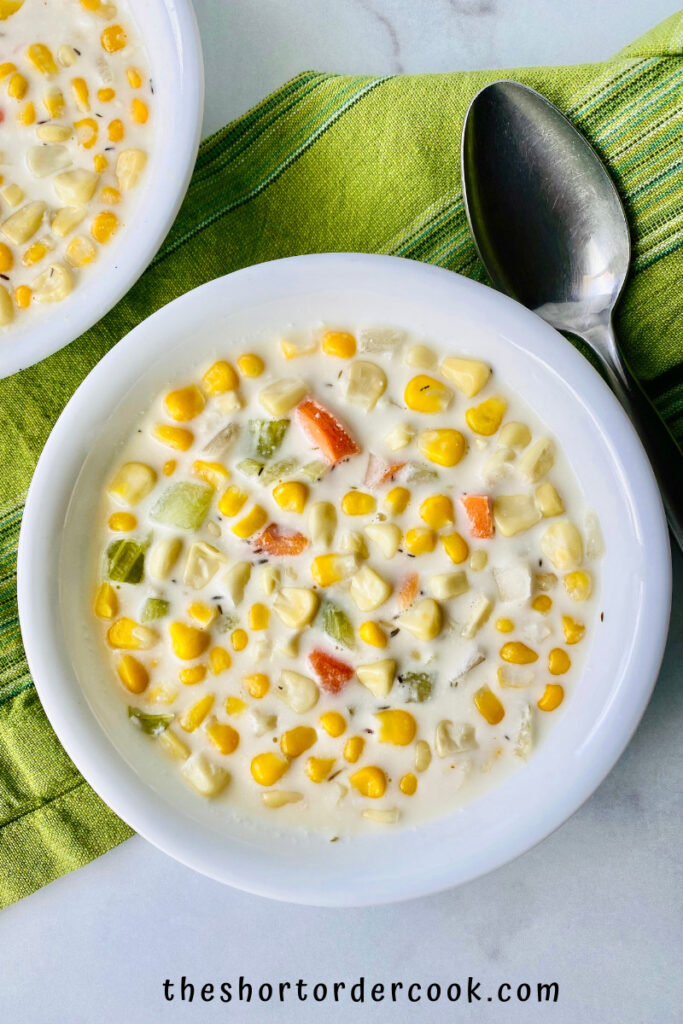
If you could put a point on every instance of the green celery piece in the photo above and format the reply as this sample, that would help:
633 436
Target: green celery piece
125 561
250 467
337 624
268 435
314 471
226 621
183 505
419 686
150 724
277 470
418 473
154 608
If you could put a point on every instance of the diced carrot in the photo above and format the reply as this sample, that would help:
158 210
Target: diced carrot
479 510
275 541
325 431
379 471
408 591
332 673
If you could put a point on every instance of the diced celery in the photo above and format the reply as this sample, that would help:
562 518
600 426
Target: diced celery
337 624
418 686
250 467
221 442
314 471
268 435
150 724
154 608
125 561
226 621
184 505
417 473
278 470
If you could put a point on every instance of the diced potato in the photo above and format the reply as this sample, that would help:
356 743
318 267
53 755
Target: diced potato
281 396
548 501
479 612
203 562
296 345
269 577
368 590
377 677
386 537
446 585
420 357
562 545
163 557
66 220
455 738
77 187
424 619
132 482
517 677
514 435
207 778
537 460
23 224
299 692
353 543
365 384
513 583
514 513
498 466
399 437
130 164
468 375
47 159
235 580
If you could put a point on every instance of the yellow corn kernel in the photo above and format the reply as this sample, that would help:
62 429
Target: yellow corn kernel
163 694
188 642
175 437
203 614
6 69
139 111
505 625
193 717
543 603
67 56
437 511
53 101
41 57
319 768
255 518
339 343
267 769
517 653
291 496
420 540
397 500
235 706
106 95
333 723
456 547
224 738
257 685
132 674
106 602
239 639
86 132
297 741
115 130
486 417
27 116
250 365
100 163
17 86
80 251
397 727
259 617
219 378
578 584
169 467
488 705
212 473
6 258
408 784
573 630
329 569
122 521
232 501
128 635
426 394
113 38
371 633
370 781
111 196
552 697
219 660
34 254
134 76
353 748
104 226
22 296
559 662
184 404
358 503
444 446
79 88
192 676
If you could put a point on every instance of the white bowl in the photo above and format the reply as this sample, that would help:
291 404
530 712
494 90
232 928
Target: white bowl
622 661
169 31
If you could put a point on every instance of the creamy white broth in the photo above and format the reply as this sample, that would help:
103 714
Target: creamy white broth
335 804
107 127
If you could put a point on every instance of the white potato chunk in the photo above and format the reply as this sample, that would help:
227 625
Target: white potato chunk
207 778
513 583
365 384
203 562
514 513
537 460
562 545
479 612
235 581
282 395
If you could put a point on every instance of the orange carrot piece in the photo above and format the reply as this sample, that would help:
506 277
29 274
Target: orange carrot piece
408 591
479 511
325 431
379 471
332 673
277 542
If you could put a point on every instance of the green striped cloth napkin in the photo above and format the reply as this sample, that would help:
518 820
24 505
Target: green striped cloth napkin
329 163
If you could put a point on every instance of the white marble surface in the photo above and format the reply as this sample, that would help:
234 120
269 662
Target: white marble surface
596 907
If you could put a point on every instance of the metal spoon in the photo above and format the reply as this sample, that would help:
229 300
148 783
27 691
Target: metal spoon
551 232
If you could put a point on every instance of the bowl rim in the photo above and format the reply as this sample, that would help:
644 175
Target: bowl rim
49 334
130 797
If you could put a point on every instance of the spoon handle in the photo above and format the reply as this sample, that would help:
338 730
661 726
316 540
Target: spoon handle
661 447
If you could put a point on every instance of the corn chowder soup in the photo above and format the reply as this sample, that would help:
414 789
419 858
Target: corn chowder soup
344 580
75 102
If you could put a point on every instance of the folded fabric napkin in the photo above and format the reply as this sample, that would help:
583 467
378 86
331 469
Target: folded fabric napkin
345 164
